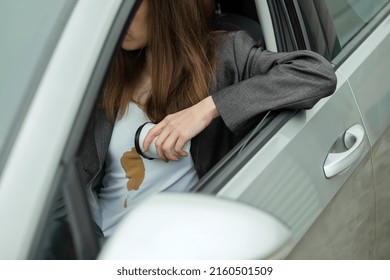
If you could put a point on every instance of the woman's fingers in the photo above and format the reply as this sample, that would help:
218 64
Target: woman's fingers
159 144
152 133
169 143
167 147
179 147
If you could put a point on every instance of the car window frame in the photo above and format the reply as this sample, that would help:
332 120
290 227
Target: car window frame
34 83
361 36
286 39
67 181
355 42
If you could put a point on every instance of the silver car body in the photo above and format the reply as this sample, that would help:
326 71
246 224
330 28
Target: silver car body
343 215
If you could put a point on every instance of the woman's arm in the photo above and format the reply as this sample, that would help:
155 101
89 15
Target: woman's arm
269 81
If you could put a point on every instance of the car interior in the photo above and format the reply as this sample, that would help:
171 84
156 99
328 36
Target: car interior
234 16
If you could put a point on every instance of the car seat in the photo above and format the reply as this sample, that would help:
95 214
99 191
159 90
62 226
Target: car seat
232 16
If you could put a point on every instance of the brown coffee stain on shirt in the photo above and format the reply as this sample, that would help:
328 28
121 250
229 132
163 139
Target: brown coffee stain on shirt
134 167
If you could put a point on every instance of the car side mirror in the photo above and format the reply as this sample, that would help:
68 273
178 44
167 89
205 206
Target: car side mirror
193 226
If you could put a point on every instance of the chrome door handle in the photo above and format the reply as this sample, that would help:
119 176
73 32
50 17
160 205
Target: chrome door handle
336 163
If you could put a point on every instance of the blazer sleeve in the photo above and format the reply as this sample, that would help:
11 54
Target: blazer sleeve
266 80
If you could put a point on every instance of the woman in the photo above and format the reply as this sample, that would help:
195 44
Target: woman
197 85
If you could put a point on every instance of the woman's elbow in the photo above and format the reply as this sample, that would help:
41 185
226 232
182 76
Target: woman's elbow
324 83
324 86
321 72
323 76
329 79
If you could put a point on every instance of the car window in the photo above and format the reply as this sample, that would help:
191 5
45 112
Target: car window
29 32
350 16
332 24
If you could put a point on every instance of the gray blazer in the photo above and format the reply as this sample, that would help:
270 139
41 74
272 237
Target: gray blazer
250 82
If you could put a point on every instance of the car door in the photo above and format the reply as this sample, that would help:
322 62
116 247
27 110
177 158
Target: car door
284 168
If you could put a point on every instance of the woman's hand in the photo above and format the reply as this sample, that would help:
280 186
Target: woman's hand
177 129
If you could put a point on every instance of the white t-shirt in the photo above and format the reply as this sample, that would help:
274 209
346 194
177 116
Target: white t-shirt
129 178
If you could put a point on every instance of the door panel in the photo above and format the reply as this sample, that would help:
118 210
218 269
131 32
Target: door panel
368 73
345 228
381 154
286 177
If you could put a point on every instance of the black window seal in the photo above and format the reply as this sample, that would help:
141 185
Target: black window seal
298 24
82 227
281 43
285 21
289 19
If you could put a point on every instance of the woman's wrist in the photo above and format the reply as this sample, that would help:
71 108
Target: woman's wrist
209 108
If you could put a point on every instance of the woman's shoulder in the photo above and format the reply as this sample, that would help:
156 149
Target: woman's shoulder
233 37
235 46
237 41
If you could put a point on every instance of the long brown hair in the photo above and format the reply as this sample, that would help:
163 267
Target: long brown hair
183 50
